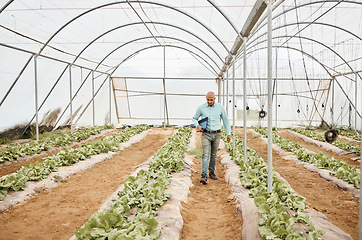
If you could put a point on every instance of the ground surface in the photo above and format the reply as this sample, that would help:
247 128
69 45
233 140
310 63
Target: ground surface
56 213
16 165
210 211
339 206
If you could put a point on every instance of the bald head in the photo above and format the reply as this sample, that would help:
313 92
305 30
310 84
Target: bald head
210 94
210 98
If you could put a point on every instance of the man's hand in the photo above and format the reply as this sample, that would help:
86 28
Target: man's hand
228 138
200 128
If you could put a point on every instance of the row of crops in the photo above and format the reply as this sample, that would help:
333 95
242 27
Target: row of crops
142 195
40 170
132 213
13 152
338 168
348 146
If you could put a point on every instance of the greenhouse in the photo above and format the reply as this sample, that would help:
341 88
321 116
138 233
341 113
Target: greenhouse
99 109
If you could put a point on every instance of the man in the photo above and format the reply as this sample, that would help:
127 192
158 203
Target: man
215 112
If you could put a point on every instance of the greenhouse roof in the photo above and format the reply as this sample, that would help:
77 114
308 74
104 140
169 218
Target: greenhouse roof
139 44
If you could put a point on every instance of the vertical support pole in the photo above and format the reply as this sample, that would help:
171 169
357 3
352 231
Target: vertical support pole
276 89
164 87
227 92
270 101
110 100
360 193
223 92
36 98
333 80
94 110
355 105
233 106
70 98
218 89
244 102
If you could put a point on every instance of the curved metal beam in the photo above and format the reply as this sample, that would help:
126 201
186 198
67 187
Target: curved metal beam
313 40
149 47
262 23
226 17
313 58
130 56
142 38
138 1
6 5
131 24
146 48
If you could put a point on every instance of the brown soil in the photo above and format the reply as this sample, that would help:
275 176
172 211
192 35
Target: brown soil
211 210
16 165
316 149
56 213
339 206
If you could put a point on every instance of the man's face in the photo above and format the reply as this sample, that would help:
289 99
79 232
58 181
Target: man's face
210 100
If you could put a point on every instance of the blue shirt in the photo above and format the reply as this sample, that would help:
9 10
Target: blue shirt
215 114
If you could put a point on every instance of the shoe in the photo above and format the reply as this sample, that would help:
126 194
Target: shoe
203 180
212 176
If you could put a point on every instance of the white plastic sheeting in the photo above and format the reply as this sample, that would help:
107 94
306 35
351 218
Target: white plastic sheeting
316 58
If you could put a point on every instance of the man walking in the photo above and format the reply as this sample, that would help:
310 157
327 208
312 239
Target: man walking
214 112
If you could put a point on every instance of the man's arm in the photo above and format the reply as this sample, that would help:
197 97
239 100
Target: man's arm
225 121
226 124
196 117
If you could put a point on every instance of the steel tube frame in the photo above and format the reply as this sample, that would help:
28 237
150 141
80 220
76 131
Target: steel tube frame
233 103
70 98
93 105
276 89
91 100
36 97
324 66
127 2
360 193
270 101
160 23
244 102
227 92
262 23
110 99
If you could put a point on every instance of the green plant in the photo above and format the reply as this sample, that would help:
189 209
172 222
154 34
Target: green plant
4 140
275 223
144 192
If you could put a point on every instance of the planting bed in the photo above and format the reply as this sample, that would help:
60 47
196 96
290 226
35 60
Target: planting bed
217 210
323 196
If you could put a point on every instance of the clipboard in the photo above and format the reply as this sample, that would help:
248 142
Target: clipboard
202 123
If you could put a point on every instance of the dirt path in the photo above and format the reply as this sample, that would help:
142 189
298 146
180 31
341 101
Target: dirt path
56 213
316 149
339 206
16 165
211 210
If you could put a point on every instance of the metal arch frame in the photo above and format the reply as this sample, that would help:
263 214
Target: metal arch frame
132 1
261 24
130 56
136 23
304 53
109 4
313 58
226 17
6 5
117 49
149 47
313 40
142 38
